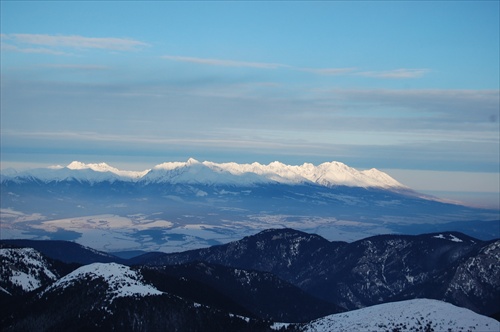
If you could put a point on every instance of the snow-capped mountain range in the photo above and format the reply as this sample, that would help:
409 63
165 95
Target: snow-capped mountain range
187 205
195 172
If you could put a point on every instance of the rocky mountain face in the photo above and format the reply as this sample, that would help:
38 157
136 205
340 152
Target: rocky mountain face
449 266
476 281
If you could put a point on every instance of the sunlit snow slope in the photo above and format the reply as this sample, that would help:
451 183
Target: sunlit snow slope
412 315
122 281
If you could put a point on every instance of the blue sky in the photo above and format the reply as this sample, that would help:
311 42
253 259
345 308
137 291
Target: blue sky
408 87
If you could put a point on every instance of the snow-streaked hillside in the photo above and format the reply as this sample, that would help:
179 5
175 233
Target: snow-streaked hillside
122 281
194 172
23 268
411 315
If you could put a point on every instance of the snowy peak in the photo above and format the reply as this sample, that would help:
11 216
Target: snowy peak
192 171
23 270
337 173
206 173
121 280
78 165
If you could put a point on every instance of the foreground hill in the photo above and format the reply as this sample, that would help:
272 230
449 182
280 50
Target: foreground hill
412 315
109 296
254 294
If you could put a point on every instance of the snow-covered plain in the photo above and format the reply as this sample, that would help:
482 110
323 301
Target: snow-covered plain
411 315
112 232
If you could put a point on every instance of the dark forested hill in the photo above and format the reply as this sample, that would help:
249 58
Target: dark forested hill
370 271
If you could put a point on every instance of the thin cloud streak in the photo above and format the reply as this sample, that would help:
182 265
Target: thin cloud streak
260 65
83 137
401 73
328 71
457 104
75 41
41 50
224 63
77 67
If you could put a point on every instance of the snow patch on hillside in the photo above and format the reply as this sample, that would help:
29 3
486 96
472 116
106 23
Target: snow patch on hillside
451 237
105 222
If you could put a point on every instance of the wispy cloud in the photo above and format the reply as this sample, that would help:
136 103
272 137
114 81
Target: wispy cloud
224 63
261 65
72 41
39 50
328 71
395 73
442 100
134 140
77 67
442 107
390 74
